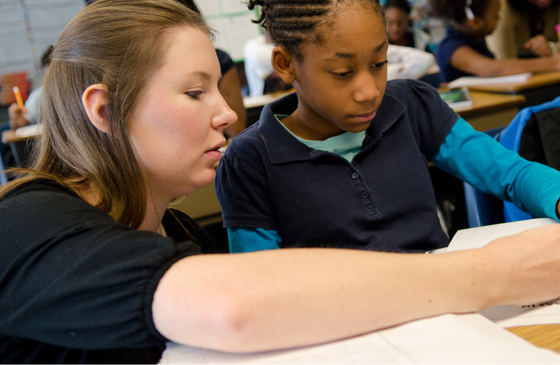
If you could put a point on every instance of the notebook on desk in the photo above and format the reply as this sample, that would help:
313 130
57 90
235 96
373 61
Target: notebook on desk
476 81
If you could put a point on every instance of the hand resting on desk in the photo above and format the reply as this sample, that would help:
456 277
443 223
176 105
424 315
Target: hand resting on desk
295 297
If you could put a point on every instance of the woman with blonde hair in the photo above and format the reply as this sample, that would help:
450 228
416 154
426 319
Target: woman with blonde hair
95 269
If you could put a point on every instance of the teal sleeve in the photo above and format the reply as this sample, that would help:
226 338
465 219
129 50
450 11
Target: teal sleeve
252 239
478 159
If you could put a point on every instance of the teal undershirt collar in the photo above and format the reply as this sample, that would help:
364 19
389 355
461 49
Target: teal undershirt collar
346 145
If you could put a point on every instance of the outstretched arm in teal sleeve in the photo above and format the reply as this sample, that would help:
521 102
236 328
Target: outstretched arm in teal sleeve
478 159
252 239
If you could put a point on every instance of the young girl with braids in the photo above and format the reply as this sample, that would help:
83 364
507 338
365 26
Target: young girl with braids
342 161
463 51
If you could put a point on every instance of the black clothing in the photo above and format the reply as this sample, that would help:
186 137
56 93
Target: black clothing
75 286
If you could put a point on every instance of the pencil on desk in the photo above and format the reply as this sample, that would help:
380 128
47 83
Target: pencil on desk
557 27
19 99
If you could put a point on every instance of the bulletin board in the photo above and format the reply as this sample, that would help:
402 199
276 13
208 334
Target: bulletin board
231 19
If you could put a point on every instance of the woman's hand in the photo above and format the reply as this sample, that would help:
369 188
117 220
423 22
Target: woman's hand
539 45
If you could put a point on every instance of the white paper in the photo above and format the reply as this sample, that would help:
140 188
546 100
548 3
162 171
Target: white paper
474 81
449 339
477 237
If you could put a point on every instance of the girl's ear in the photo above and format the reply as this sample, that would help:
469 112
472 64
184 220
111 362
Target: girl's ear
95 99
476 23
283 64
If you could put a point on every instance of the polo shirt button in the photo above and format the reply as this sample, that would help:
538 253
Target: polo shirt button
355 175
365 195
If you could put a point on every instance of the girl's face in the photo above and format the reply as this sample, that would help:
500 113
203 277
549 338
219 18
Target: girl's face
340 82
179 122
397 24
491 17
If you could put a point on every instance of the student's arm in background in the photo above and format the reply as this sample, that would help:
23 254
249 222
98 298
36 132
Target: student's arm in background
230 87
468 60
541 47
277 299
17 117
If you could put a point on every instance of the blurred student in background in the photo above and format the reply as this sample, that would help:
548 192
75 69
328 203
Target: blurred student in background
399 29
20 118
463 51
526 29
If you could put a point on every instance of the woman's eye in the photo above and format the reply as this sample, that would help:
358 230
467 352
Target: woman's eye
379 65
194 94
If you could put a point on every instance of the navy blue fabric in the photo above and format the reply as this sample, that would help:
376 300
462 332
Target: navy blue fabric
452 41
382 201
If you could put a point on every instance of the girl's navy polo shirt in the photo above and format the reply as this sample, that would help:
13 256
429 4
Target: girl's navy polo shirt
382 201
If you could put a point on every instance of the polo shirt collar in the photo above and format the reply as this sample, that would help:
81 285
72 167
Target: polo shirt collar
282 147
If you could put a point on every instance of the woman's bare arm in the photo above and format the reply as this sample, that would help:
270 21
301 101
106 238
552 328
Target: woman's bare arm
293 297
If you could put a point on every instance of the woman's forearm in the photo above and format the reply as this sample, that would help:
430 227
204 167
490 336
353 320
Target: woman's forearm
279 299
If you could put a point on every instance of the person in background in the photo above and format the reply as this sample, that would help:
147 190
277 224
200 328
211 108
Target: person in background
463 51
20 118
258 67
230 85
95 268
409 63
399 28
526 29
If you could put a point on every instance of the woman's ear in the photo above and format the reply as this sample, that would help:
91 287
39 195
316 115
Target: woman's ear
95 99
283 64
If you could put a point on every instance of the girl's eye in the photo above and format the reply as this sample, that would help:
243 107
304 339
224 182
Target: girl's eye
342 74
194 94
379 65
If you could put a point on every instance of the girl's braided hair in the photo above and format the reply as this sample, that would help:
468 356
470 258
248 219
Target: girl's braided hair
293 22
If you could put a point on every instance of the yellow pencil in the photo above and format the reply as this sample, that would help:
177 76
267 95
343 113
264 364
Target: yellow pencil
19 99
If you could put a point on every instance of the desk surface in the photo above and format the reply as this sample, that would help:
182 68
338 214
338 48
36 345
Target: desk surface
486 102
547 335
535 81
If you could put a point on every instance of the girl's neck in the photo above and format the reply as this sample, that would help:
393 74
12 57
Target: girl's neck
309 127
466 30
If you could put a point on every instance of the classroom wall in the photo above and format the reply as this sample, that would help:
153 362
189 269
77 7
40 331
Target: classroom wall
232 21
27 28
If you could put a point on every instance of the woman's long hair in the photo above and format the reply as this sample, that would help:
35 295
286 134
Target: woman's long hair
117 43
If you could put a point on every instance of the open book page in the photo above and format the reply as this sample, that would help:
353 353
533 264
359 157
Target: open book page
474 81
468 338
509 315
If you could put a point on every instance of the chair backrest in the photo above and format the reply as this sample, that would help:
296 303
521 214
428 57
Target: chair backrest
482 209
535 134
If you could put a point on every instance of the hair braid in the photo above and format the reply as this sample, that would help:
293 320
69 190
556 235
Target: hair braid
293 22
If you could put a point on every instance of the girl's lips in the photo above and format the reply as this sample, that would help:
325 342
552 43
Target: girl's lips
365 117
214 154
